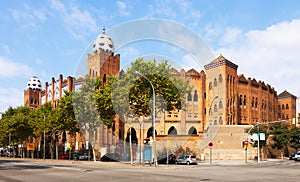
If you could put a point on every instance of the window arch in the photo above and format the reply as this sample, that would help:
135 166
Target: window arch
215 108
287 106
245 100
204 95
220 120
282 106
220 78
220 105
241 100
256 102
195 96
172 131
189 96
210 85
192 131
215 82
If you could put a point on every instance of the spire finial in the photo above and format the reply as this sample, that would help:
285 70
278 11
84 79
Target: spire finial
103 30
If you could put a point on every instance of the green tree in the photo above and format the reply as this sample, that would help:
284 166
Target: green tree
85 109
295 138
132 94
280 136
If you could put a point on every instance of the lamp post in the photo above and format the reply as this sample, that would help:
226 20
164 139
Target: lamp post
210 131
153 115
44 138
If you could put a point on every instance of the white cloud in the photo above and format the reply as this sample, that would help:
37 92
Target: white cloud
80 23
123 9
271 55
10 97
10 69
27 16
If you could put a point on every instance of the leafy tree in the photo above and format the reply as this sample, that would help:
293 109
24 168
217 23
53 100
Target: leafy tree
66 115
85 108
132 93
280 135
295 138
104 103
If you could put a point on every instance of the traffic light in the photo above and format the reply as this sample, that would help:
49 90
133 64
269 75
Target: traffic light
245 144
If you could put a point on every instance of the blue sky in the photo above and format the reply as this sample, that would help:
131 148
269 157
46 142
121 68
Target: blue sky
48 38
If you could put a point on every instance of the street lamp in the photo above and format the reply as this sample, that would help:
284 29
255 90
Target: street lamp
153 115
44 138
210 131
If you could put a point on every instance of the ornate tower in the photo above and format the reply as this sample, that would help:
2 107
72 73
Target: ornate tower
102 62
32 94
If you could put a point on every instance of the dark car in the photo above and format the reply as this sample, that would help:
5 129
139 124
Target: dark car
110 157
75 155
292 156
162 159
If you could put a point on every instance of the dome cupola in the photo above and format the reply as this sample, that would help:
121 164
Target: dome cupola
104 42
34 83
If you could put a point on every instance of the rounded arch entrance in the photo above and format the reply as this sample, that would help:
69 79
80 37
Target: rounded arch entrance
134 138
150 132
172 131
192 131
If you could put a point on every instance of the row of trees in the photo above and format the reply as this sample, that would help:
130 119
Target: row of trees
281 136
84 110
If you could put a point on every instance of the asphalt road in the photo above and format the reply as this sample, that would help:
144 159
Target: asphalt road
15 170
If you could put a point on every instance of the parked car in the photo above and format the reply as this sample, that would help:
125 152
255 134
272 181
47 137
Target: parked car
186 159
292 156
110 157
297 156
64 156
75 155
84 157
162 159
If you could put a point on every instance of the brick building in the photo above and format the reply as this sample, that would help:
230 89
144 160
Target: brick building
220 96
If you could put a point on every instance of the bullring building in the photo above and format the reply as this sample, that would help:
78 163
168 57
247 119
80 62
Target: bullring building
220 96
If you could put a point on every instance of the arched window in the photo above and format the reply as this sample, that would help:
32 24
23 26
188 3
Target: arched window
252 103
279 115
282 107
172 131
204 95
215 108
195 96
210 85
192 131
215 82
287 106
220 105
93 74
220 78
282 116
189 96
278 107
204 110
256 102
220 120
245 100
241 100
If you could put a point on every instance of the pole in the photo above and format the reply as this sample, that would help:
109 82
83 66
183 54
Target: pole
258 152
153 116
44 138
210 131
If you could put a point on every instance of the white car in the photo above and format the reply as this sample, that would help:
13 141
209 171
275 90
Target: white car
186 159
297 156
